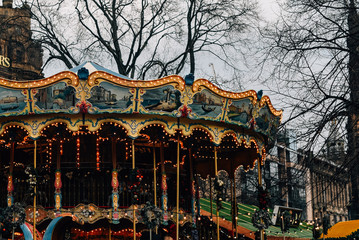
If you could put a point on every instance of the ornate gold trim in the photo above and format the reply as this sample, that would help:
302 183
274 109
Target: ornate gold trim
199 83
96 77
266 100
72 79
251 94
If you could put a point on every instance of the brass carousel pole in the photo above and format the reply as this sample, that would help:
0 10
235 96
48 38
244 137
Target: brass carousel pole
133 206
178 172
58 183
114 181
154 180
210 195
260 186
234 199
154 177
34 215
233 211
235 204
164 196
216 172
193 188
10 184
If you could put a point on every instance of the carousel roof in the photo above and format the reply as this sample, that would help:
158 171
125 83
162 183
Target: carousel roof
90 95
343 230
93 67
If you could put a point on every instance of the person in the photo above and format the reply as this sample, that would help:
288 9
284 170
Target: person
168 238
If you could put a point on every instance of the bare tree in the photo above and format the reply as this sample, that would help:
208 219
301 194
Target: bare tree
314 51
142 37
208 26
115 30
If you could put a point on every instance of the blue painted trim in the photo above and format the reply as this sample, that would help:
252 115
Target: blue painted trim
136 100
225 110
27 233
30 101
50 228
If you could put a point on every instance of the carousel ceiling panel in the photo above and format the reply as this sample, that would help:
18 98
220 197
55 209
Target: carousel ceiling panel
229 158
229 161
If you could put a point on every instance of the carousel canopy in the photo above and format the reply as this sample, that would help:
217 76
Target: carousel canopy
343 230
88 96
93 67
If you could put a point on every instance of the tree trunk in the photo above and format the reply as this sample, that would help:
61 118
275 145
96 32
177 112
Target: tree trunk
353 110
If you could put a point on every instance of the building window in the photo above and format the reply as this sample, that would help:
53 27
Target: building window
16 51
19 56
273 170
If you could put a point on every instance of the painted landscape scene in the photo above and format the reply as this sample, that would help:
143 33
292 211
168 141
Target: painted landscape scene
206 104
58 96
109 96
240 111
264 118
11 101
162 99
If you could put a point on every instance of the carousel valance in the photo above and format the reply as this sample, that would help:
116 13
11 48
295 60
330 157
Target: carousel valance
157 100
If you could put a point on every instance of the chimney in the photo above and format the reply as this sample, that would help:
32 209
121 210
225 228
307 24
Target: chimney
7 3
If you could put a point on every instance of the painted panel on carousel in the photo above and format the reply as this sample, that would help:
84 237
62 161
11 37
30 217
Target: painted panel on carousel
163 99
108 96
240 111
59 97
206 104
266 120
11 101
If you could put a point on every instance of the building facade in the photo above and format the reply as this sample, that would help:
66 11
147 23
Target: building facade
318 185
329 190
20 55
283 176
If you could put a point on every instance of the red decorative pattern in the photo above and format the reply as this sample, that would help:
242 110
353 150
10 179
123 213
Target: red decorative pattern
58 183
164 182
98 154
84 106
185 111
10 185
78 152
114 182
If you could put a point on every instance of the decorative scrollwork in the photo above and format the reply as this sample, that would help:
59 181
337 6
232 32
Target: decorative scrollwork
219 187
151 215
261 219
13 216
32 180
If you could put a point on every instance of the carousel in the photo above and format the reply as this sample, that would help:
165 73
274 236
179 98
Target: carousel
95 155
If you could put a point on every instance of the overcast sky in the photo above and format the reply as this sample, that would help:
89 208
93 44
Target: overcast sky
269 8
